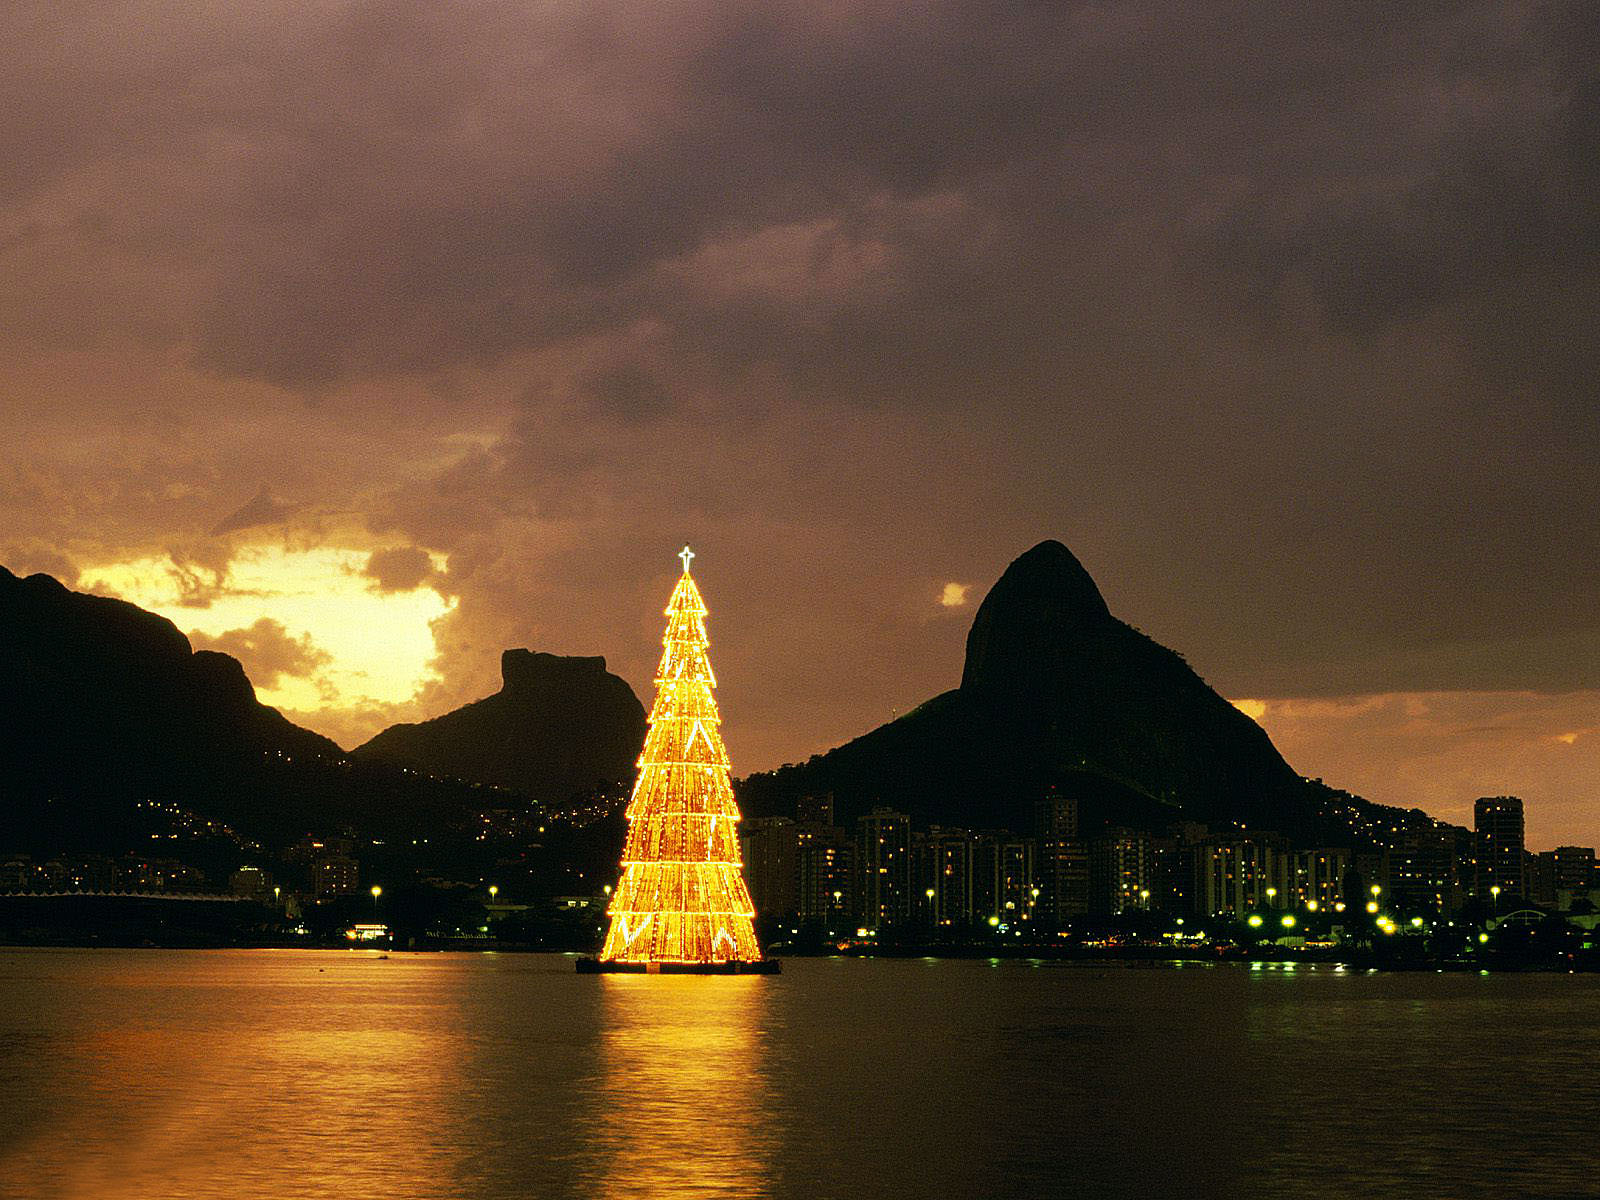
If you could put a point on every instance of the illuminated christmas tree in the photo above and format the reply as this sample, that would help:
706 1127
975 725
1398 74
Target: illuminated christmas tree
682 898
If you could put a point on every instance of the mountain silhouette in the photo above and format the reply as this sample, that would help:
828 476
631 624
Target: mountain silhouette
103 703
1056 692
557 727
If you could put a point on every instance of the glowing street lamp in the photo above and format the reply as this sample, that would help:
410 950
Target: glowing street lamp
1272 894
1288 920
1372 906
493 892
1311 906
1495 892
376 892
1144 897
1253 920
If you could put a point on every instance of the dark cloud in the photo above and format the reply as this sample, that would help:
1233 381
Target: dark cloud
268 651
399 569
261 509
1281 316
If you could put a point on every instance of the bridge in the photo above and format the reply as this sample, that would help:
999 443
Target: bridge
207 897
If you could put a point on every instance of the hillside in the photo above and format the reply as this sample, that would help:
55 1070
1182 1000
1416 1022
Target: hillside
1056 691
557 727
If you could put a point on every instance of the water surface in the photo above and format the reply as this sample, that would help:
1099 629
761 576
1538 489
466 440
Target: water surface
173 1075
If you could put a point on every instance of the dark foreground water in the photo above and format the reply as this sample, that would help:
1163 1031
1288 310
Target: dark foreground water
170 1074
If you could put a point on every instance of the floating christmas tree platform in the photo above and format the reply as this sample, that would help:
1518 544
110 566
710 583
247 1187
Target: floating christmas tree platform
681 906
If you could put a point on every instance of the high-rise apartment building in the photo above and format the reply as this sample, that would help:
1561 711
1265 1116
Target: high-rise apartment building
1499 825
1063 861
827 869
883 869
770 847
1121 872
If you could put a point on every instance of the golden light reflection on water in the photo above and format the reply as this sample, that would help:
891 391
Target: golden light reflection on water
329 1078
683 1092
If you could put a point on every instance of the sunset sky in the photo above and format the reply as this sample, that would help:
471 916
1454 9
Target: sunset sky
366 340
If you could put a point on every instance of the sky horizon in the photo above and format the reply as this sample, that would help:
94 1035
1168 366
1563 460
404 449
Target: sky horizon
368 341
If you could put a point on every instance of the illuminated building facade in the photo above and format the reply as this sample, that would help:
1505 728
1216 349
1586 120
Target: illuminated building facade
1234 876
1317 876
1063 861
883 867
335 875
944 868
827 868
1498 820
1121 871
682 897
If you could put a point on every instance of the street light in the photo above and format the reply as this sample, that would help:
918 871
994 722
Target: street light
376 892
493 892
1272 894
1495 892
1144 897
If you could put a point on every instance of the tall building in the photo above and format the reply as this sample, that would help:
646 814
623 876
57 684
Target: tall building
944 867
252 883
1567 869
1235 875
1063 861
827 868
1498 821
1121 872
770 847
335 875
883 869
1423 869
1317 876
1574 868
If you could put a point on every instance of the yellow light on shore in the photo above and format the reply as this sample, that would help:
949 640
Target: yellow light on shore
682 896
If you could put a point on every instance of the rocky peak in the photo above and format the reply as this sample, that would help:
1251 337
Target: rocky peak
524 671
1027 624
